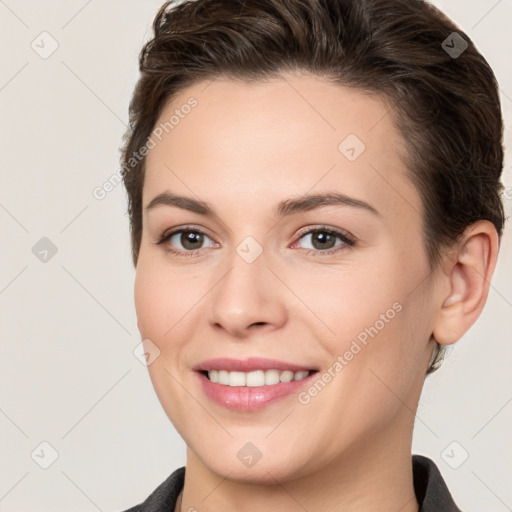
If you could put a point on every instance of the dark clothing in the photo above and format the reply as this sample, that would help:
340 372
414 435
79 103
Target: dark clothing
429 486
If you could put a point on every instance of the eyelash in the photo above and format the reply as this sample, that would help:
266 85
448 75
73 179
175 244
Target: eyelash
348 240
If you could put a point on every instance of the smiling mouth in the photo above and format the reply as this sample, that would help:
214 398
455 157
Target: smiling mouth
255 378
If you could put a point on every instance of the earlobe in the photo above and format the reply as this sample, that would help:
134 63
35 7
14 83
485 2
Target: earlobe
469 274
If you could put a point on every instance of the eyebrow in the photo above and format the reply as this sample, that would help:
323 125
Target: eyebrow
287 207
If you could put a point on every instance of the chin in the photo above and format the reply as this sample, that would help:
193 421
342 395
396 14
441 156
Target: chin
244 462
261 473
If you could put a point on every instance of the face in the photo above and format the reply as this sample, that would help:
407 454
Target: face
290 248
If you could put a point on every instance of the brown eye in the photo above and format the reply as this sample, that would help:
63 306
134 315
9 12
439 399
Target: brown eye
186 241
191 240
321 240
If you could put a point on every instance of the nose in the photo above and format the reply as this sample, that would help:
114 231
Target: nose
247 299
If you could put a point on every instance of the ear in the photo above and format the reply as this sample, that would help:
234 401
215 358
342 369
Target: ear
467 274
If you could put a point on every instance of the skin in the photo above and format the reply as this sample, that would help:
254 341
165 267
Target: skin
243 149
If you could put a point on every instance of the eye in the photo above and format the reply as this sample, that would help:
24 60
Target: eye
190 241
325 240
186 241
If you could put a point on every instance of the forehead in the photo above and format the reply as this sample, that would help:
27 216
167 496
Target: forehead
278 137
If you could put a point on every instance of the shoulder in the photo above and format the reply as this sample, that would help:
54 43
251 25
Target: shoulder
164 497
430 488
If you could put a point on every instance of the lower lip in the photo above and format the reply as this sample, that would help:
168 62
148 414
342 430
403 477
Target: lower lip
246 398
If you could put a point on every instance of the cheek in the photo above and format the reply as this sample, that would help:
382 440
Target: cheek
352 304
150 304
373 376
162 300
376 325
161 305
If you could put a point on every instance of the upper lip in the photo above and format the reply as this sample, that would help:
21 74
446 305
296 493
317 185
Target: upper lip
248 365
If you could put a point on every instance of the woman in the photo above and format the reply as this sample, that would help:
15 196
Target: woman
314 199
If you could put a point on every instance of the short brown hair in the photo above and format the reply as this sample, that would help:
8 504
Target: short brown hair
445 105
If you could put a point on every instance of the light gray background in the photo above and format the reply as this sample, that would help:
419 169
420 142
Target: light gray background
68 374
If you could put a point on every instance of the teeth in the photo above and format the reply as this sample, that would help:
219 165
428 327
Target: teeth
271 377
223 377
286 376
236 378
255 378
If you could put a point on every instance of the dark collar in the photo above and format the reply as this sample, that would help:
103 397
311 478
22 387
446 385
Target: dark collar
429 486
